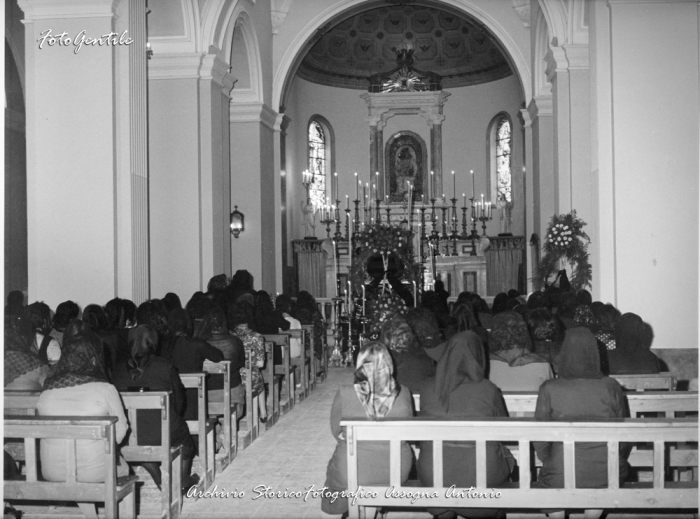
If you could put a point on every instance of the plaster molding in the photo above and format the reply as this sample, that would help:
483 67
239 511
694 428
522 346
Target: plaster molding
282 123
218 70
383 107
278 18
540 106
175 66
525 118
68 9
522 9
556 62
577 56
253 113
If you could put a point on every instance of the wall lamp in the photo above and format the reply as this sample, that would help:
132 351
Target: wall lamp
237 222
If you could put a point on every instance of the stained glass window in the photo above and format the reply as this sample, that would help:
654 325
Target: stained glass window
503 144
317 164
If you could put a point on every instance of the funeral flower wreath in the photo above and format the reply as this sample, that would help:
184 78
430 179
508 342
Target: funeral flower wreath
566 240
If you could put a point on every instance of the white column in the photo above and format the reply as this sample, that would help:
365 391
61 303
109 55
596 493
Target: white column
86 149
543 187
526 121
255 189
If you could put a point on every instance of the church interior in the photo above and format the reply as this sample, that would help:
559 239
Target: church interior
377 156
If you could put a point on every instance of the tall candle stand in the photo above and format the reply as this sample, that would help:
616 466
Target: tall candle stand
444 221
356 223
347 224
474 233
379 214
388 214
464 235
434 235
338 235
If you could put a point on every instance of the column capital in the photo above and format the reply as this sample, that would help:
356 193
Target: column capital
576 56
555 60
432 118
525 118
282 123
184 65
253 113
50 9
540 107
218 70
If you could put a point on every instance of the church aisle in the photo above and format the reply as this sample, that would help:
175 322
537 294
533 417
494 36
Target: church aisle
292 456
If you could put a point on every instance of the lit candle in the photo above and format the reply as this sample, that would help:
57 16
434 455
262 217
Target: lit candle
465 199
443 199
454 185
376 193
471 171
335 176
430 186
357 187
347 202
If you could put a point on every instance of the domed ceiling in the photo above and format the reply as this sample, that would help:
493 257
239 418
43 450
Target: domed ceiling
455 47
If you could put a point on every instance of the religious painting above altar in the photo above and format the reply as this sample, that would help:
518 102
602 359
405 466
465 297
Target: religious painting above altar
405 164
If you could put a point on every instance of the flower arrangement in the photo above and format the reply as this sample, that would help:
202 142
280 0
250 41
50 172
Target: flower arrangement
385 240
566 239
385 307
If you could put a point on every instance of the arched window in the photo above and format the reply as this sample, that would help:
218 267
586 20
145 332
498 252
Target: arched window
500 146
320 160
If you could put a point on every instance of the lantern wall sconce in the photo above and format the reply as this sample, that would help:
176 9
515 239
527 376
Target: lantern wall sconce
237 222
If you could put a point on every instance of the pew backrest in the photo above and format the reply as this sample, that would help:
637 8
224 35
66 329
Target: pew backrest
71 429
659 432
19 402
657 381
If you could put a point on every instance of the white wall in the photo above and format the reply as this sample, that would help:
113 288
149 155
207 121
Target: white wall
468 112
654 50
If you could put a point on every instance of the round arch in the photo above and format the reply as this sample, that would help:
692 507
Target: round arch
313 30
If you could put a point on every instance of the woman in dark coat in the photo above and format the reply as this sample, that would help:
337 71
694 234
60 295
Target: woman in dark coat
267 318
632 355
375 394
460 388
580 391
413 365
147 371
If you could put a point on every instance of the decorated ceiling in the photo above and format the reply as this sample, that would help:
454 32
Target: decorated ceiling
455 47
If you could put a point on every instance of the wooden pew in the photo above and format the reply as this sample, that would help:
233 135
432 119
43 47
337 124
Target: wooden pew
169 457
116 493
274 382
658 494
202 427
309 328
656 381
281 342
225 409
301 364
19 402
251 403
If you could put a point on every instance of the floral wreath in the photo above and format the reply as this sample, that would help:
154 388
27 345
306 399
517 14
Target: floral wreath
386 240
566 239
380 310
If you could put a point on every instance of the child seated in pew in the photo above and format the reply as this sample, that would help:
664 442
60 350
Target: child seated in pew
375 394
146 371
580 391
77 386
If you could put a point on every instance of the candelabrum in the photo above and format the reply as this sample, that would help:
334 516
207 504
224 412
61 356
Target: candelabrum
337 354
338 235
483 218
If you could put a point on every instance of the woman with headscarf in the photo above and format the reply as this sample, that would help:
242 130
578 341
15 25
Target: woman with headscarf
146 371
583 316
460 388
24 370
413 365
77 386
514 367
268 319
306 312
375 394
546 333
580 391
632 355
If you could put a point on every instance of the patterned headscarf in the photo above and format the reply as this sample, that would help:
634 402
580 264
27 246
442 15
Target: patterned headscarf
398 336
19 358
583 316
81 362
579 357
509 331
374 380
462 363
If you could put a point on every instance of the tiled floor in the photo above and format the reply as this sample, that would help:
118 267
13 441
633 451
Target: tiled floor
291 456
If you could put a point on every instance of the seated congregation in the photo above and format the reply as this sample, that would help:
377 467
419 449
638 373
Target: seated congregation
94 363
438 362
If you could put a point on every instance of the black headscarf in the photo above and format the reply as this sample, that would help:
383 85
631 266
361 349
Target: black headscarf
462 363
143 341
579 356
